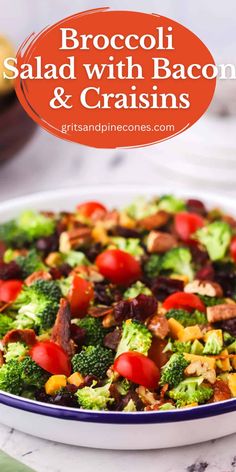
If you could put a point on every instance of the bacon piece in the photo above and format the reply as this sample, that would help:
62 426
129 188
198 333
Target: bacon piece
1 359
61 332
221 391
39 275
157 220
99 311
158 242
159 326
225 311
26 336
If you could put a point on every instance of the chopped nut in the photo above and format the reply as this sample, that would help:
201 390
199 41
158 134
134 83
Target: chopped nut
39 275
159 326
200 368
89 273
112 374
154 221
73 239
221 312
159 242
204 287
108 321
147 397
54 259
221 391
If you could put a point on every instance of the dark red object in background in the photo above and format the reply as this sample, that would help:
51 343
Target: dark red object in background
16 127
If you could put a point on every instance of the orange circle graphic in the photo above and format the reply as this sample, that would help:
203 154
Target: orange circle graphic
112 79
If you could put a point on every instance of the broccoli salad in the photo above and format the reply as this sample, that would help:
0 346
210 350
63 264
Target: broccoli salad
122 310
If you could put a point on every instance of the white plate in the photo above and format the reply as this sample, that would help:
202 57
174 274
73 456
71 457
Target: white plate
113 430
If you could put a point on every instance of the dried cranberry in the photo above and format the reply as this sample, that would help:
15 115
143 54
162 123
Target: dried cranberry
10 271
206 273
196 206
65 397
78 334
103 294
131 395
93 251
225 275
62 271
138 308
42 396
47 244
162 287
227 325
126 232
199 255
112 339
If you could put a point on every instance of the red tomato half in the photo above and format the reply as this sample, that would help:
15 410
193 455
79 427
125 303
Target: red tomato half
80 295
187 224
51 357
89 209
9 290
118 266
233 248
184 301
137 368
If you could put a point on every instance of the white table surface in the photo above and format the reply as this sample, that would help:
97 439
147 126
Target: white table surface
48 163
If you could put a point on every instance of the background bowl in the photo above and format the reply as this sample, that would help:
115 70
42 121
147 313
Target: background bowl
113 430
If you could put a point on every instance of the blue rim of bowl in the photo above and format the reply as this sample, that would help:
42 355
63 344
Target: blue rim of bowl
73 414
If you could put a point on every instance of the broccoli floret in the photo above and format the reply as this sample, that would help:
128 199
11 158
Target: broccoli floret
35 225
171 204
186 318
15 351
9 255
228 338
177 346
216 238
211 301
152 267
197 347
173 370
140 208
76 258
232 347
94 398
29 226
94 330
30 263
130 407
130 245
32 375
178 260
135 337
190 391
166 406
5 324
93 360
136 289
213 344
37 306
123 386
10 377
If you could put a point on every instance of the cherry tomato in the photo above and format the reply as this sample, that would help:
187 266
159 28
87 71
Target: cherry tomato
233 248
89 209
51 357
9 290
187 224
184 301
137 368
80 295
118 266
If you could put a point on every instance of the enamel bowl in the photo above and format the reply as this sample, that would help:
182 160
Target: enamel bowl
113 430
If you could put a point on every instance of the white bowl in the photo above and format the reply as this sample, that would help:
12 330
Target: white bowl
113 430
